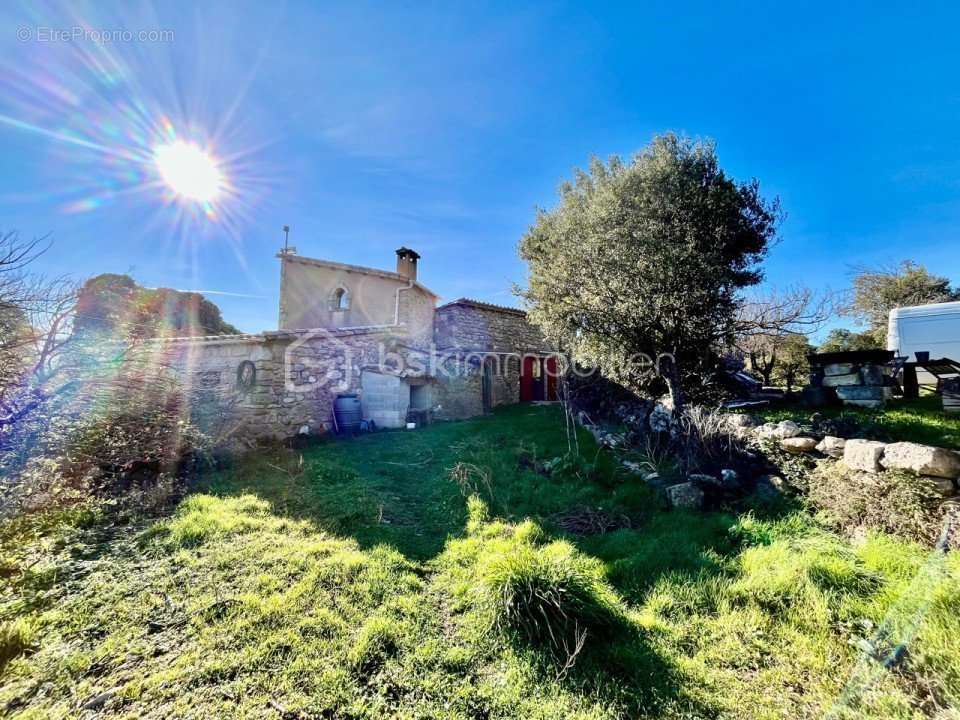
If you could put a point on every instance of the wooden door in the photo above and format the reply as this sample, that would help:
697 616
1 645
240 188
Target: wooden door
526 378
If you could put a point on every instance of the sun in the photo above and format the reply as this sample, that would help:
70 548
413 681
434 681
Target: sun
189 171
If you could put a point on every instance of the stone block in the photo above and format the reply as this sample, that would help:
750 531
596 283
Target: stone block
686 496
798 445
778 431
871 375
832 446
862 395
839 369
841 380
860 392
922 459
863 455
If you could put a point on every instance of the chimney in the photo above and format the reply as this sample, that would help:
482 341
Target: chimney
407 263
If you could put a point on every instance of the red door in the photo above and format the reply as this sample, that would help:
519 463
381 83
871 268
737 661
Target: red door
526 378
551 371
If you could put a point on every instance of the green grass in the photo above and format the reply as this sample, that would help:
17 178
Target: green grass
367 581
921 421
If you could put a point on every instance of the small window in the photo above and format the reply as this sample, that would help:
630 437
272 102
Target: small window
340 299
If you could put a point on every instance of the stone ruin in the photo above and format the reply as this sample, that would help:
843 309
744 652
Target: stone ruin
861 378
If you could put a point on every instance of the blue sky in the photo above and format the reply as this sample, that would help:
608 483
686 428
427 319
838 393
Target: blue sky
442 126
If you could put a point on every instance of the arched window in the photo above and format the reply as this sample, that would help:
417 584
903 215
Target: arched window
340 299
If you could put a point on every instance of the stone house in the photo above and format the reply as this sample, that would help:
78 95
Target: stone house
378 334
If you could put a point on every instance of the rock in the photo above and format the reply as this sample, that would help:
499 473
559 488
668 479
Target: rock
661 418
832 446
767 430
841 380
871 375
738 420
787 429
98 701
798 445
944 486
922 459
860 392
633 467
703 479
729 478
863 455
772 486
778 431
686 496
839 369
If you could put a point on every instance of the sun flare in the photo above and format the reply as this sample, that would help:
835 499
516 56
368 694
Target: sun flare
189 171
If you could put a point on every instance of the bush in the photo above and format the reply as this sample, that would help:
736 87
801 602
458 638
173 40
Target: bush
120 436
890 501
701 441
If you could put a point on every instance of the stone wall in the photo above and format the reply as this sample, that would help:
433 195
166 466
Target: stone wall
278 384
296 378
470 325
858 384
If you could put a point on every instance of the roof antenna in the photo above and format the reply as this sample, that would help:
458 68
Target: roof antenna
287 248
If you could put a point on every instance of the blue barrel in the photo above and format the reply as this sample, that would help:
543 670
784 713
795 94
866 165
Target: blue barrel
347 412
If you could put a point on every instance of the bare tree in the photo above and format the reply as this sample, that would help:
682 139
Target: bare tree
36 316
768 326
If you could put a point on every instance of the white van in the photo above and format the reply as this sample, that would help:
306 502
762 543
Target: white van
933 328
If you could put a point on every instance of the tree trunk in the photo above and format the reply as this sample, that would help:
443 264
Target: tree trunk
671 373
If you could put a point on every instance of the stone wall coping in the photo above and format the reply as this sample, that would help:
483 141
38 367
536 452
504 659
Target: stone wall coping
467 302
375 272
268 335
456 350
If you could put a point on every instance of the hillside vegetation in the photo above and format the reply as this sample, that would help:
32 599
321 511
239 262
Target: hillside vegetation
427 574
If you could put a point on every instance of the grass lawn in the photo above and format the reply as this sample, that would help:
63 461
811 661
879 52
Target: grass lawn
357 579
922 421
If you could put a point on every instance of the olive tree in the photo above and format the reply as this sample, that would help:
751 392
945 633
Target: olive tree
646 258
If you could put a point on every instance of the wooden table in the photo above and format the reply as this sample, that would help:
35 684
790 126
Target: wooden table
940 369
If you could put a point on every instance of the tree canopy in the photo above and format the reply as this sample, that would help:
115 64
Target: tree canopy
648 256
117 305
844 340
878 291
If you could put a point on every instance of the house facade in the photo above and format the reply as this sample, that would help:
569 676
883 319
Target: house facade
377 334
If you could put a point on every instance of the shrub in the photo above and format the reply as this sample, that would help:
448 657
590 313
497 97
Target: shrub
123 436
702 441
890 501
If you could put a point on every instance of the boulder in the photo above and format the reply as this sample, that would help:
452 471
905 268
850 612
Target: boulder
661 418
787 429
839 369
863 455
945 487
703 479
686 496
778 431
841 380
922 459
798 445
832 446
772 486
